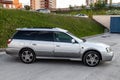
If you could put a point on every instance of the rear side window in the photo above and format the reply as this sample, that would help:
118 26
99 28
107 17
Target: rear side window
27 35
45 36
34 35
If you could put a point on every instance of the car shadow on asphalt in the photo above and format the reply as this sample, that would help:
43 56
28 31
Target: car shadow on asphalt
46 61
67 62
59 62
53 62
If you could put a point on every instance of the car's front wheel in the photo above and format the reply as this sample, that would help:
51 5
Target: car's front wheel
91 58
27 56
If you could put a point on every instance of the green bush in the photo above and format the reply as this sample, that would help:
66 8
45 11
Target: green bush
1 6
27 7
113 12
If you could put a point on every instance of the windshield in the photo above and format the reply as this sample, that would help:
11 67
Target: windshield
78 39
70 33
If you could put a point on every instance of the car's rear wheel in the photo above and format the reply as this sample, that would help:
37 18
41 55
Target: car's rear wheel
91 58
27 56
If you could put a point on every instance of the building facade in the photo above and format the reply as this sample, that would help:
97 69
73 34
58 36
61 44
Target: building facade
11 4
38 4
56 4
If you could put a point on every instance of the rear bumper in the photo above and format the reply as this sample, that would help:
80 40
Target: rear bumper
12 51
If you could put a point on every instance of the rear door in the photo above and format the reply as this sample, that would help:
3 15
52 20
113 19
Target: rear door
43 43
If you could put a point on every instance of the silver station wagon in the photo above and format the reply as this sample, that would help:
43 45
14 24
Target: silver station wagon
55 43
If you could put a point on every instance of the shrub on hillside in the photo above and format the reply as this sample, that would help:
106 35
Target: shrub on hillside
27 7
1 6
113 12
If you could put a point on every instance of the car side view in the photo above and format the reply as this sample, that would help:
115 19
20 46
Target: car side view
43 10
56 43
82 15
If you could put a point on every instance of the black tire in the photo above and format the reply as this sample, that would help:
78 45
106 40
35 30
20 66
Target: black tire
27 55
91 58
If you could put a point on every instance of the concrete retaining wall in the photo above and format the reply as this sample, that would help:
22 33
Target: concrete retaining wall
104 19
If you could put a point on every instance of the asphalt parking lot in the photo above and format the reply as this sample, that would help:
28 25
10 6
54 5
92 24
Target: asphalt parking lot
13 69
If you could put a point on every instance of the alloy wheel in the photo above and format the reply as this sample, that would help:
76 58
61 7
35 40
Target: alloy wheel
91 58
27 56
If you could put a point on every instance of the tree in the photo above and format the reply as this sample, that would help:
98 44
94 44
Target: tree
1 6
91 5
110 3
100 4
70 7
27 7
83 7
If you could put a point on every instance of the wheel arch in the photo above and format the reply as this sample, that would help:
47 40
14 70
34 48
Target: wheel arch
33 55
25 48
92 50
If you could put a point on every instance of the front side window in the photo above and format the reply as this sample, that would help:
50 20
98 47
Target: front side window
62 37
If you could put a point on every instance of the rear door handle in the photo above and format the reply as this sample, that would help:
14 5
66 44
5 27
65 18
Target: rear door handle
57 45
34 44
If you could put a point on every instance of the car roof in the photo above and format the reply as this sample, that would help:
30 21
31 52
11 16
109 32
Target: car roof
42 29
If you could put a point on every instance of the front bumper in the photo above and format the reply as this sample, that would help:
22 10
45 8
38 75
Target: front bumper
107 56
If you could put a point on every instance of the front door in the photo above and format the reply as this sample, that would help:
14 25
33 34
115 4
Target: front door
64 46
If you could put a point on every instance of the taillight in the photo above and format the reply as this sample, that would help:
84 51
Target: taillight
9 40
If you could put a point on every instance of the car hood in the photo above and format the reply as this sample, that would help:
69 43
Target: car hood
94 45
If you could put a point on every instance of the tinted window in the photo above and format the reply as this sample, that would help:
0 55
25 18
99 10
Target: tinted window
34 35
28 35
62 37
45 36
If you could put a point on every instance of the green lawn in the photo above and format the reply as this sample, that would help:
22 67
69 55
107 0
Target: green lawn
12 19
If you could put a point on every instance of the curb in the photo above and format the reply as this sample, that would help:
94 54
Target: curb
94 36
2 49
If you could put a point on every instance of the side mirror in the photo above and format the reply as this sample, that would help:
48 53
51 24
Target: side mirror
73 41
84 40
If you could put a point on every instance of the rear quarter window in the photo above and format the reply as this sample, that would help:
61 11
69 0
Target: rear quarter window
34 35
27 35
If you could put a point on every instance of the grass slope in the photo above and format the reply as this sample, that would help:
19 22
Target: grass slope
12 19
88 12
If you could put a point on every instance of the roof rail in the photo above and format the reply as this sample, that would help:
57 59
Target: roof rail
60 29
43 28
20 28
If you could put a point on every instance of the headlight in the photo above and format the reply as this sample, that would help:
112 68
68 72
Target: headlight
108 49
